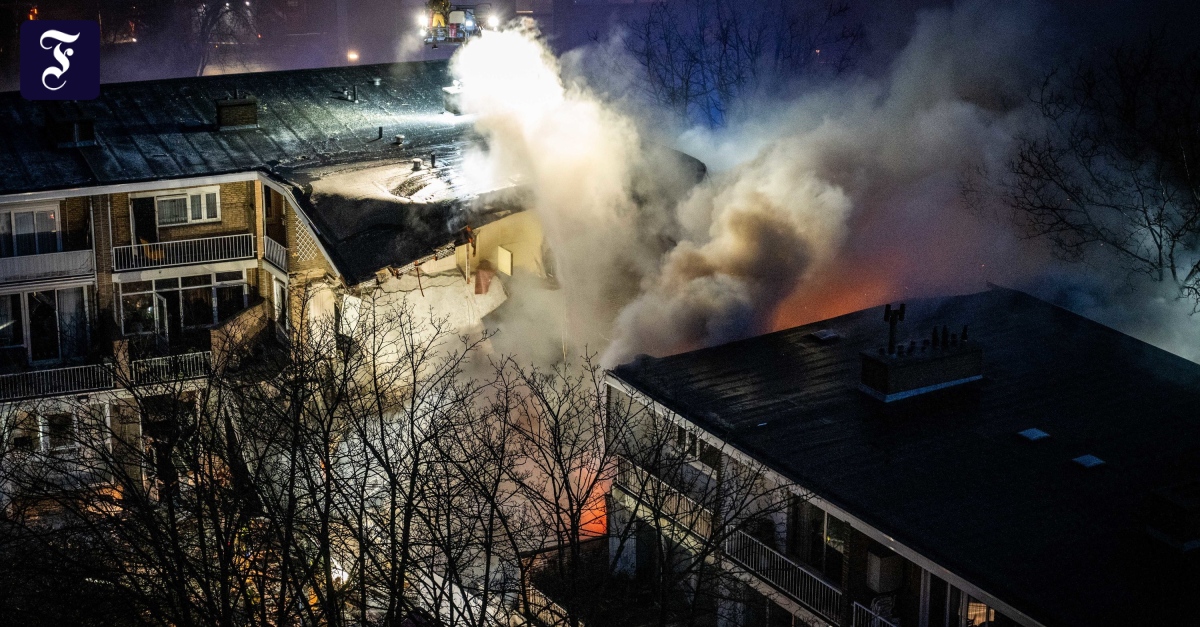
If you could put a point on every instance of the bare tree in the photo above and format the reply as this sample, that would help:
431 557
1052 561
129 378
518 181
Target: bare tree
1113 167
699 56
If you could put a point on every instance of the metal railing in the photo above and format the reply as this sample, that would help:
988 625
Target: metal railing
664 497
55 381
540 608
794 580
172 368
183 252
276 253
46 266
862 616
784 574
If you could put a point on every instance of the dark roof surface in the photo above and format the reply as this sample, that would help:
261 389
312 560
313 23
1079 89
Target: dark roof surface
946 475
166 128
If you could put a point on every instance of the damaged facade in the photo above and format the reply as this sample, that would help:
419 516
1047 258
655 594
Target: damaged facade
144 234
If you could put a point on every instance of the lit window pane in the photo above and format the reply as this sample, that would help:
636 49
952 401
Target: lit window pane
137 313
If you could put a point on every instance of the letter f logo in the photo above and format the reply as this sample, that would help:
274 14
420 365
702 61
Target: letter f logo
60 60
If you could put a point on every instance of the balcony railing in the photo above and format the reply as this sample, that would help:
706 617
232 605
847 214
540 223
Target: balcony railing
276 253
664 497
183 252
862 616
786 575
46 266
794 580
172 368
56 381
540 608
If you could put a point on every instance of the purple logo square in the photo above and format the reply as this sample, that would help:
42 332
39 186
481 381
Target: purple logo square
60 60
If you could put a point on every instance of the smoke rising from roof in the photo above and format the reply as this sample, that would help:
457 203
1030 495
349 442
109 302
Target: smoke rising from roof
843 197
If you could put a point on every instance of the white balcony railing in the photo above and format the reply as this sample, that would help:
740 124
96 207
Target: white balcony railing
785 575
46 266
864 617
55 381
183 252
172 368
797 581
276 253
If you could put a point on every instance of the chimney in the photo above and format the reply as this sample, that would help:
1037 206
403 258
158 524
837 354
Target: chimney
1173 516
70 127
235 114
890 375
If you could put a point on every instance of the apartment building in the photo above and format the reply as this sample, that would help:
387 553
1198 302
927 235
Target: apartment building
997 461
139 231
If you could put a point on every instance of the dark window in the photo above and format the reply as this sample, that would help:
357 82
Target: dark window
43 326
230 300
60 430
166 284
229 276
199 279
837 539
197 307
12 333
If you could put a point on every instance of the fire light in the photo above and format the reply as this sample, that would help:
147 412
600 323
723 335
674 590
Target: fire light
352 55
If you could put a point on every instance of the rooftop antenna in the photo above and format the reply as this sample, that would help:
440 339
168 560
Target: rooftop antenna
892 317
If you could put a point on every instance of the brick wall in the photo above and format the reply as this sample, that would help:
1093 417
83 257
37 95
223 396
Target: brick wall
237 216
74 213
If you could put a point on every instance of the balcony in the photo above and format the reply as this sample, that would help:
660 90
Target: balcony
769 565
46 266
55 382
863 617
181 367
183 252
275 253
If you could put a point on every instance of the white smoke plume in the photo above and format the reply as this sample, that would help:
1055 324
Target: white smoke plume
844 197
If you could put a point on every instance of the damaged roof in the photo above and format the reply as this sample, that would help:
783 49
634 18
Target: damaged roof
947 474
380 214
166 129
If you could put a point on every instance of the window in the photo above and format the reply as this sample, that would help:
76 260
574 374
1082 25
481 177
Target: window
45 325
60 430
188 206
281 304
29 232
195 301
12 331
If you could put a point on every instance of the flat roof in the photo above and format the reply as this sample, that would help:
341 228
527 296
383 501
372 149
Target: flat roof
947 475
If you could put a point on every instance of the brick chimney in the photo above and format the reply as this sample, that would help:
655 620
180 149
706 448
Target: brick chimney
235 114
902 371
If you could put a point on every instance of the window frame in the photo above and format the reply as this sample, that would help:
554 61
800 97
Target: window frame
212 286
55 208
186 194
